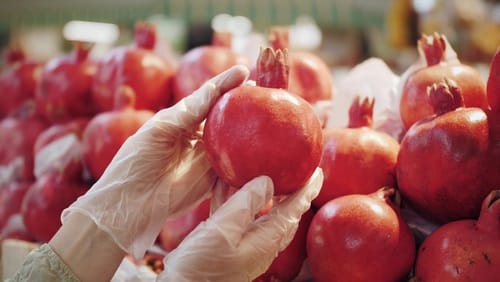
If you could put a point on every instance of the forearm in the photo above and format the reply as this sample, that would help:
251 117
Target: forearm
88 251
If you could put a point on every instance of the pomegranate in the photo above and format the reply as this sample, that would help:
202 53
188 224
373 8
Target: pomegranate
175 230
464 250
16 229
17 81
264 130
11 197
414 104
56 131
286 266
18 134
357 159
137 66
204 62
44 202
58 149
493 83
64 89
360 238
107 131
310 76
442 158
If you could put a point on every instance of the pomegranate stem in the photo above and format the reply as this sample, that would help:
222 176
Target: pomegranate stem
272 68
432 47
361 112
445 96
279 37
145 35
489 218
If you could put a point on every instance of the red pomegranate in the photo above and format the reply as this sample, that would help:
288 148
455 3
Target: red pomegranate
414 104
64 88
287 265
44 202
175 230
107 131
360 238
16 229
56 131
357 159
264 130
464 250
18 134
310 76
17 81
441 162
11 197
204 62
58 149
493 83
138 67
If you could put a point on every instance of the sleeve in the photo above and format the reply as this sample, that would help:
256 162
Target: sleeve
43 265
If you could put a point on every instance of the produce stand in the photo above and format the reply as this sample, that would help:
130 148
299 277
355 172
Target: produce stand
370 50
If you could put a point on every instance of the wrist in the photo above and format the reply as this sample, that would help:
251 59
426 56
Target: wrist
88 251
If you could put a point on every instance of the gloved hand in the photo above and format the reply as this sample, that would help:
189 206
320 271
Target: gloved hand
159 172
231 245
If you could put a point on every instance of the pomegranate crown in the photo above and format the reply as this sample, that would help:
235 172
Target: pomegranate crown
272 68
432 48
445 96
361 112
279 37
145 35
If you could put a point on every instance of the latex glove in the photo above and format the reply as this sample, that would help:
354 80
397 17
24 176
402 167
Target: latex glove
159 172
231 245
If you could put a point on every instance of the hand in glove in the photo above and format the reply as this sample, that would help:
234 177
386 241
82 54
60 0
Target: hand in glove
159 171
231 245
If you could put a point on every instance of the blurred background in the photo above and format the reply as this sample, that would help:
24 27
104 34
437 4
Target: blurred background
342 32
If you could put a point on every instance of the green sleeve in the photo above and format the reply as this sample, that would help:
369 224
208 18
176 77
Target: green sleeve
44 265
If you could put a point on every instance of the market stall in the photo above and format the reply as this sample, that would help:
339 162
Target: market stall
395 102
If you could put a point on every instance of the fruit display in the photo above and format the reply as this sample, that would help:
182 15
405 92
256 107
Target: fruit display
410 188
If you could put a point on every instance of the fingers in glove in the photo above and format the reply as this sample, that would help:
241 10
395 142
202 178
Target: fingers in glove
274 231
220 193
200 102
189 182
238 212
192 109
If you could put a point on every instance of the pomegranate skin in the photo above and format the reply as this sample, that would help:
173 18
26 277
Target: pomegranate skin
254 131
44 202
360 238
415 104
441 258
309 77
200 64
356 161
441 162
106 133
64 89
17 85
287 265
464 250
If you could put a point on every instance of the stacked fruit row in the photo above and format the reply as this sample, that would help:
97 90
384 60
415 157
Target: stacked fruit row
400 198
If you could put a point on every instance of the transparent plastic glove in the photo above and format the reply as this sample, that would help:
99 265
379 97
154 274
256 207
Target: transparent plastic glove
231 245
159 172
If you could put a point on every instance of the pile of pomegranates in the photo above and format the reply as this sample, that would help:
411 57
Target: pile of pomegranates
63 120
